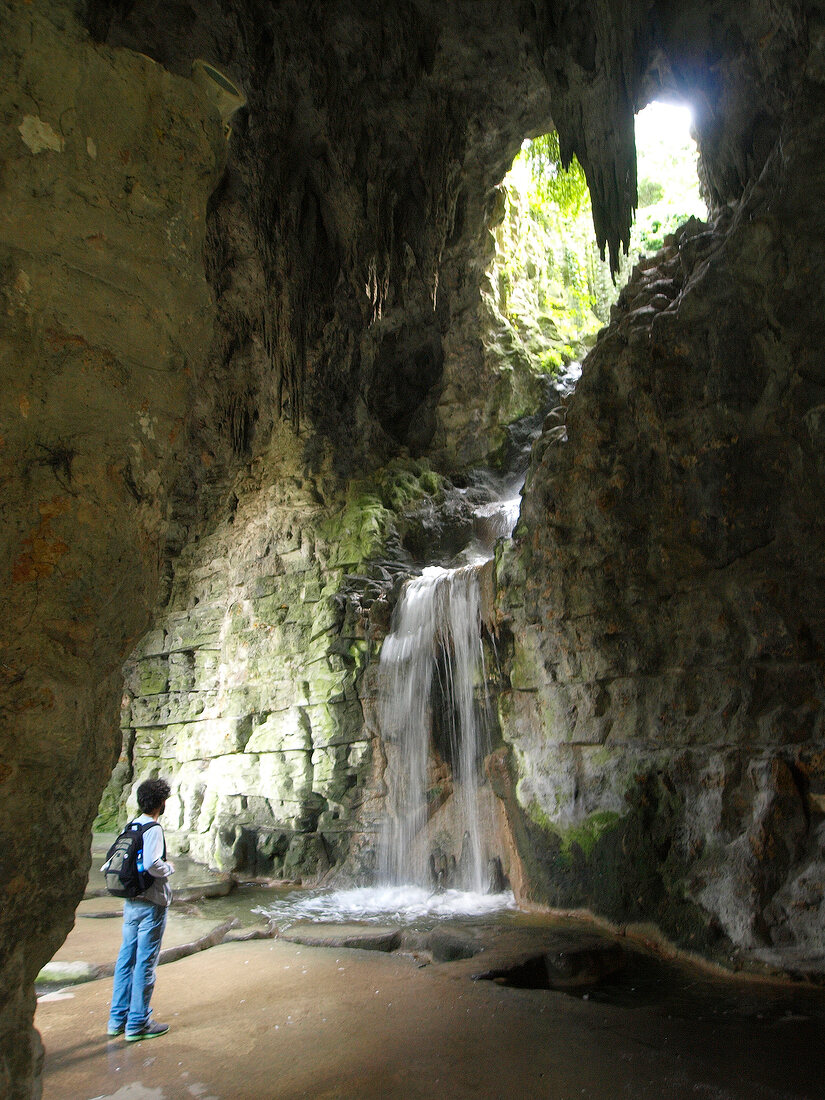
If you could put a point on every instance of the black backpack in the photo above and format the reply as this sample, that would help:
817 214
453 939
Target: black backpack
125 877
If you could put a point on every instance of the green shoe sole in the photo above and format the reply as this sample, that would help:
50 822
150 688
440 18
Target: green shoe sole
151 1032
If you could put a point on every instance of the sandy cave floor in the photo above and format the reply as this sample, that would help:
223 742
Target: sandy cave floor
270 1019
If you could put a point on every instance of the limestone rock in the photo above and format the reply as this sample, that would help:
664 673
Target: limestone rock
665 596
370 938
108 164
162 327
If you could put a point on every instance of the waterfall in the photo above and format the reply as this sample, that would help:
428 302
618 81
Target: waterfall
434 652
434 714
432 708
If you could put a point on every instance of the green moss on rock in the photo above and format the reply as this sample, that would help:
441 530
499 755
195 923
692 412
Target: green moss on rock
359 529
248 696
627 866
585 834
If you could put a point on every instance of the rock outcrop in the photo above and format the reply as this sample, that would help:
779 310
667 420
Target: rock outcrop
108 162
665 596
345 247
250 693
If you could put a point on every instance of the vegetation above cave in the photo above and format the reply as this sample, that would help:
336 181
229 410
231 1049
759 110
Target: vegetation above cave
550 291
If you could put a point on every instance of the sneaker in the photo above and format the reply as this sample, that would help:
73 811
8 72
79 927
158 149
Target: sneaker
151 1031
112 1032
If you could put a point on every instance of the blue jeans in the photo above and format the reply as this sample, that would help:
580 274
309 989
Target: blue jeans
143 925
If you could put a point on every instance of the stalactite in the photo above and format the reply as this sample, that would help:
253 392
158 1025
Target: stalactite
443 155
286 263
593 61
381 203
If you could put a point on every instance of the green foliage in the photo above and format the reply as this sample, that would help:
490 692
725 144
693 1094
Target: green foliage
650 191
668 188
551 280
586 833
542 296
566 188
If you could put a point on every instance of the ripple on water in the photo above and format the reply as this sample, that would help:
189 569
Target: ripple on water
403 905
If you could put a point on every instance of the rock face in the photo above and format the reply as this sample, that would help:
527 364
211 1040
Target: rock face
250 692
345 240
257 692
245 694
345 247
108 164
666 595
213 352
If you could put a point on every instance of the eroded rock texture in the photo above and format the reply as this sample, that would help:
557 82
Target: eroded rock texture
667 594
345 247
108 161
250 692
343 224
211 350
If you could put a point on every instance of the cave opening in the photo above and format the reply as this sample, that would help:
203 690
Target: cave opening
548 290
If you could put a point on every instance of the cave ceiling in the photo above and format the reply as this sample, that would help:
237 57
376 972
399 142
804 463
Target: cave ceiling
372 139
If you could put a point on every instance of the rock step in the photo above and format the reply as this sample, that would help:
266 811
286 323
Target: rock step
371 938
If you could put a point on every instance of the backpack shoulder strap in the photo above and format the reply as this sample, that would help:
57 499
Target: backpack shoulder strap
129 827
145 828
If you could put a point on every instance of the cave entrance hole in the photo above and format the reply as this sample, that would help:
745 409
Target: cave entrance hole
548 291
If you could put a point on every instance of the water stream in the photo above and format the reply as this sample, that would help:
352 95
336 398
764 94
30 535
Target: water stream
434 715
434 712
434 861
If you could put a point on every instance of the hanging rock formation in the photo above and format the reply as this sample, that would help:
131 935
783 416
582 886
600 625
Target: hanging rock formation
210 341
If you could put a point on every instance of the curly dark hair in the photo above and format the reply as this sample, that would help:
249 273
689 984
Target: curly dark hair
151 795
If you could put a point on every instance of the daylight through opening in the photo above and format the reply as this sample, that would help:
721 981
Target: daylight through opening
549 291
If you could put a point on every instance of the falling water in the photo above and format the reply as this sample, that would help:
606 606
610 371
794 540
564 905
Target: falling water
432 665
438 632
435 654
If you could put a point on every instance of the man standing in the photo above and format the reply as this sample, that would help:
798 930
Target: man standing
144 919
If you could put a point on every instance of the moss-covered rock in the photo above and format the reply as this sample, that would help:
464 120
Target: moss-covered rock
661 631
247 694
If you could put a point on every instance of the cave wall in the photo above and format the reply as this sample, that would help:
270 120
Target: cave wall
254 692
244 694
695 712
665 596
345 247
172 300
175 305
108 161
346 239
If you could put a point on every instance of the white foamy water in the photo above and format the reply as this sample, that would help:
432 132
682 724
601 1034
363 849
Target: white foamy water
491 522
503 516
400 904
437 628
437 632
